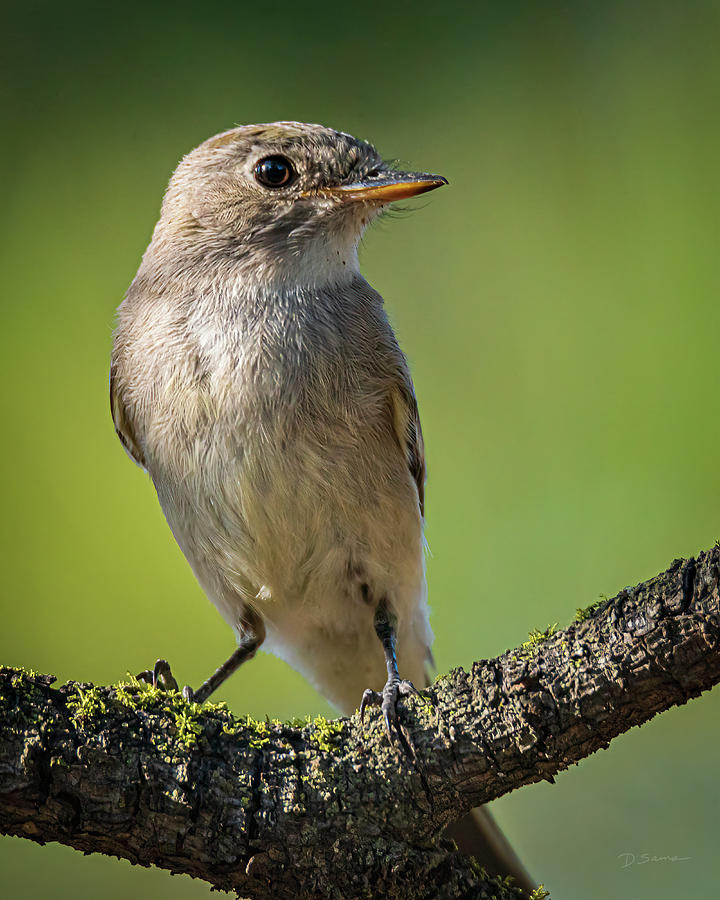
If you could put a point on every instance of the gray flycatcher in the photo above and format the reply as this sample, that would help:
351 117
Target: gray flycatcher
256 378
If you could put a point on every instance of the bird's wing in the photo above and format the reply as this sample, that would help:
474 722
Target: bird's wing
123 422
406 420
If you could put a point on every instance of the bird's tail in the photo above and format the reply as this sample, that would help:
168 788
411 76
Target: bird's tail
478 835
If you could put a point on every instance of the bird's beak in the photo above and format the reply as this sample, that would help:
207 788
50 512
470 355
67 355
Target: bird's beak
387 187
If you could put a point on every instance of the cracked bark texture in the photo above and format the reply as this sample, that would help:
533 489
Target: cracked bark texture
330 810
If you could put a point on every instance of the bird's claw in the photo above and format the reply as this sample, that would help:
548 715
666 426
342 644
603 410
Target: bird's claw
388 700
161 676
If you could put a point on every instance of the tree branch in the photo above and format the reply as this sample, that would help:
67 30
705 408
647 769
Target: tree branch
328 808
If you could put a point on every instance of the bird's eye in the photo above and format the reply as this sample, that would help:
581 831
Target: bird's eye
274 172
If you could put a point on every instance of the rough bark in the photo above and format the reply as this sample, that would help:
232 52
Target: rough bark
329 809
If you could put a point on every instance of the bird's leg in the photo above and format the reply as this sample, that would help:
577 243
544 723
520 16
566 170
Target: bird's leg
252 636
395 687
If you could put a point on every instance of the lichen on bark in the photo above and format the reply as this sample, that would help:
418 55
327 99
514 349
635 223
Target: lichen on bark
321 808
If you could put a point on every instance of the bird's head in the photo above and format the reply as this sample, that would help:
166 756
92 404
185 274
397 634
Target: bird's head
286 199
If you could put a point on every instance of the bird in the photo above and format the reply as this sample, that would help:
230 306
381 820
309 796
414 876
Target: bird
256 378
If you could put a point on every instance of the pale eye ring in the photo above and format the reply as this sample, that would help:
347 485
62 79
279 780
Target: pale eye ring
274 172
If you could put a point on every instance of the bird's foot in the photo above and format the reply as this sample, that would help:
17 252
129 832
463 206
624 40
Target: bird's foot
388 700
161 676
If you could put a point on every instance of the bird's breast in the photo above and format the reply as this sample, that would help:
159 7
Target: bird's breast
283 381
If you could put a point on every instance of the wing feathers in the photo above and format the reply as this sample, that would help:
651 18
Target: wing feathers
123 424
406 420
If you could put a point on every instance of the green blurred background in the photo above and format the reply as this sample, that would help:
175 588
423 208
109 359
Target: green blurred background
558 302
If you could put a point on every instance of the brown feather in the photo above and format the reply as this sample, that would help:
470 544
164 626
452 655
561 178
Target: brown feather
123 424
406 420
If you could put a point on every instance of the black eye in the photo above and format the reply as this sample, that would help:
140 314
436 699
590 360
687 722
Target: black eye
274 171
